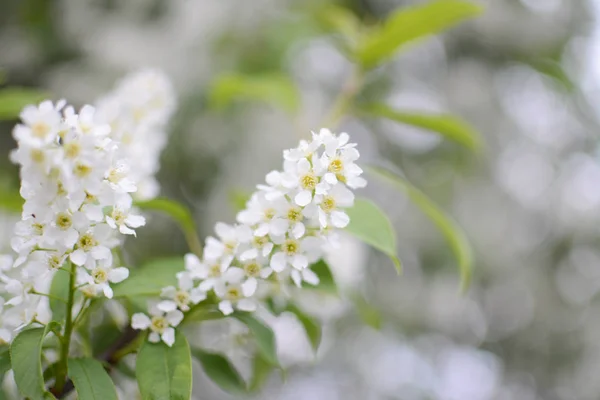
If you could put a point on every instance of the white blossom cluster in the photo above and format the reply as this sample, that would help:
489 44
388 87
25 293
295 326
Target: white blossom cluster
78 204
282 231
138 111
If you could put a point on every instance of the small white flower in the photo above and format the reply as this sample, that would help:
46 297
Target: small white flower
101 277
93 245
234 292
328 207
181 297
161 324
121 217
294 252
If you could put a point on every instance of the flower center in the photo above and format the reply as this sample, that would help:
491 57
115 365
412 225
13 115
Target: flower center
328 204
295 214
182 298
340 177
260 241
308 182
40 129
291 247
115 175
37 156
230 247
63 221
336 166
158 324
100 275
90 198
72 149
269 213
55 261
38 228
252 269
215 271
233 293
87 242
82 170
118 216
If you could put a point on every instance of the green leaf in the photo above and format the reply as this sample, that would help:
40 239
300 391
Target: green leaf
59 289
203 312
150 278
411 23
10 200
12 101
369 314
326 279
163 372
275 89
91 380
105 335
180 214
448 227
370 224
312 327
552 69
238 199
261 370
447 125
26 358
264 336
4 360
340 20
220 370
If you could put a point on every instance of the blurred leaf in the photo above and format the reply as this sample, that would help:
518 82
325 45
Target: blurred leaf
4 360
165 372
203 312
326 279
150 278
220 370
411 23
368 314
553 70
261 369
59 288
370 224
105 335
180 214
10 200
340 20
263 335
448 227
12 101
311 325
275 89
26 358
91 380
238 199
447 125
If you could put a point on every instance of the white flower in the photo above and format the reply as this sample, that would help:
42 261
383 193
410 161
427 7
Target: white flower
101 278
40 125
305 275
230 238
182 296
121 217
294 252
234 292
303 177
161 324
93 245
328 207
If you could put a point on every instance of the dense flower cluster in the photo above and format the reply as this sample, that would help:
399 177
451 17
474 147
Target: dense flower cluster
282 231
79 171
138 111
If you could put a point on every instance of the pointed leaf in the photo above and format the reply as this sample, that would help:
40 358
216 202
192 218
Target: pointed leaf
370 224
91 380
326 279
150 278
275 89
448 227
163 372
448 125
312 327
4 360
12 101
411 23
220 370
59 289
261 370
26 358
264 336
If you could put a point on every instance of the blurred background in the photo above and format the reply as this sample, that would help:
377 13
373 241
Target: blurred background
525 74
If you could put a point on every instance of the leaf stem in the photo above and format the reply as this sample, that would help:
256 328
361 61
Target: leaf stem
64 354
344 100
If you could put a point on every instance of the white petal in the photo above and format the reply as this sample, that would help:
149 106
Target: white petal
246 305
169 336
310 277
278 261
154 337
78 257
226 307
303 198
248 255
266 272
108 292
167 305
174 317
135 221
340 219
197 295
117 275
249 287
140 321
298 230
126 231
168 291
296 277
300 261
